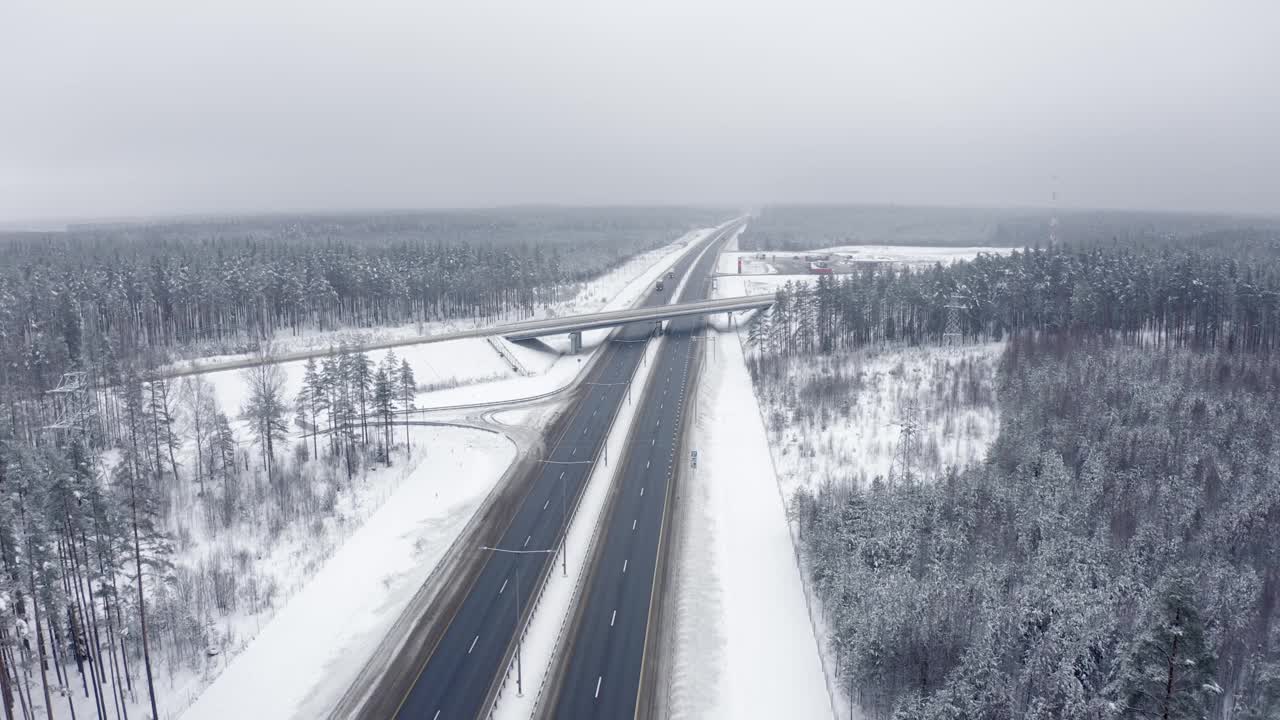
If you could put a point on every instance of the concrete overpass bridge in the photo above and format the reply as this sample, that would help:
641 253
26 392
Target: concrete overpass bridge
571 325
575 325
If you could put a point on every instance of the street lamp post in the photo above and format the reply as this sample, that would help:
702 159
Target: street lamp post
519 669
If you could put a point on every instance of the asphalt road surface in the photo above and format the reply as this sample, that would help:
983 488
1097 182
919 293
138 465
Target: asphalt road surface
454 681
602 679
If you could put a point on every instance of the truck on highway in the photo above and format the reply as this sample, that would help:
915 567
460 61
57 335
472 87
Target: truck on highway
659 286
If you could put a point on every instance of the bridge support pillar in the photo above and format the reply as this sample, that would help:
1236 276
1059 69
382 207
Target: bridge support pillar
575 343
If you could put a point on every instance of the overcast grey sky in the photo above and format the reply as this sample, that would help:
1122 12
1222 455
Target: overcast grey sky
135 107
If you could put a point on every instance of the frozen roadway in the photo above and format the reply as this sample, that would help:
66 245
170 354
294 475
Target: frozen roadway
463 670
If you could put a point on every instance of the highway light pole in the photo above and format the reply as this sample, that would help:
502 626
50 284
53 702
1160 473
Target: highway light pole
627 383
564 506
519 670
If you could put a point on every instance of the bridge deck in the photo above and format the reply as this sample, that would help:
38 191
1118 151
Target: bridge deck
577 323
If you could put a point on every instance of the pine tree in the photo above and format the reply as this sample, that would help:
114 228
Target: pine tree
1169 673
225 453
360 377
141 504
302 414
384 403
408 388
160 413
317 400
202 409
266 410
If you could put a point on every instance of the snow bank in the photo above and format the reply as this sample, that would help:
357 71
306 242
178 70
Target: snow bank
744 645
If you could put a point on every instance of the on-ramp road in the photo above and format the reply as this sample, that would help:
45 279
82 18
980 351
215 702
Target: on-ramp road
458 673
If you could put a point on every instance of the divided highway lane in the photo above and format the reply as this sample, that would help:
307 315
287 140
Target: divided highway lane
456 678
603 671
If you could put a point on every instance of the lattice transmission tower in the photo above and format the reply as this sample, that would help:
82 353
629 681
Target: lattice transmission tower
72 405
904 456
953 333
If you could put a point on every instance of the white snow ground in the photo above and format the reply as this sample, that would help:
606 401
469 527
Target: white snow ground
728 263
861 445
912 255
745 647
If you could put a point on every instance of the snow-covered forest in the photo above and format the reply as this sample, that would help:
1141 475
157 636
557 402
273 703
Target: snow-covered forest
1114 553
1207 297
222 286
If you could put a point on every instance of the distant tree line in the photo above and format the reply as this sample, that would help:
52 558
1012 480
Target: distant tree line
811 227
1202 299
227 285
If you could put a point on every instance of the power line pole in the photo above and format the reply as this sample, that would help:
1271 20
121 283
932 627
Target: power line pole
953 334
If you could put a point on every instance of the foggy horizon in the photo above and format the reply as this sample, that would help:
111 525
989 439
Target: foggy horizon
152 111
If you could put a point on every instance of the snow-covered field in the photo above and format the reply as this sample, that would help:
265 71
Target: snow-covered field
841 419
760 276
745 646
738 285
913 255
751 265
